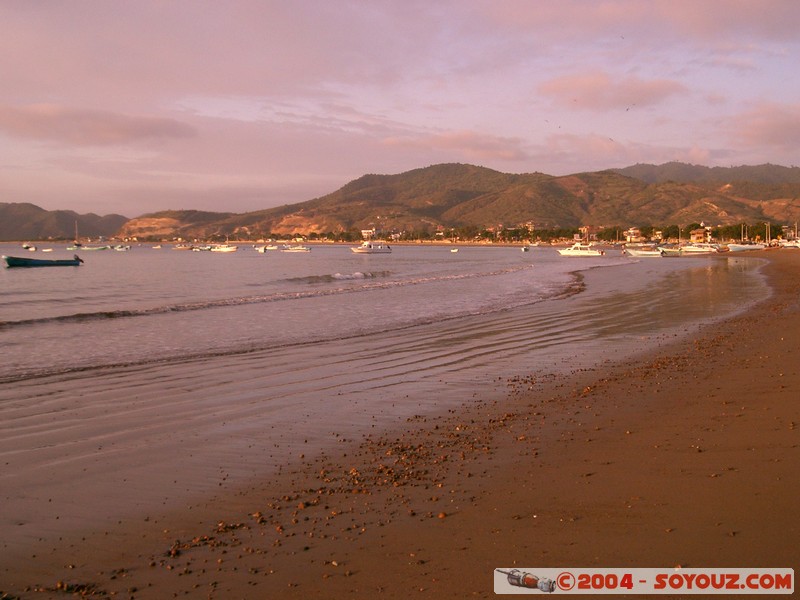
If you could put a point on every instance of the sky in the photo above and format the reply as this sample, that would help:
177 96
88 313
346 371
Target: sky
141 106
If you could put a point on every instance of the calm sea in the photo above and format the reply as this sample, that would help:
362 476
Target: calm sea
151 305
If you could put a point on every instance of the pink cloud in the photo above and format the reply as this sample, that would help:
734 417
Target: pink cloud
703 22
83 127
769 125
598 91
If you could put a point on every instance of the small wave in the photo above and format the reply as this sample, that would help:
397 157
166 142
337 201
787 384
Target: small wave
318 279
367 286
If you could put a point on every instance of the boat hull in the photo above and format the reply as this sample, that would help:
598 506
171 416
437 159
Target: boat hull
16 261
581 250
745 247
643 253
372 248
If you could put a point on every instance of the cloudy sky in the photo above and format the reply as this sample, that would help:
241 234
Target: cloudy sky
133 107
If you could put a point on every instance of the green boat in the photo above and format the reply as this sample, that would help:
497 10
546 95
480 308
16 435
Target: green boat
16 261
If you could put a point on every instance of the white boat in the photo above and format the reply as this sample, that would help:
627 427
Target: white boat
670 250
689 250
791 244
372 248
295 249
744 247
579 249
693 249
643 251
223 248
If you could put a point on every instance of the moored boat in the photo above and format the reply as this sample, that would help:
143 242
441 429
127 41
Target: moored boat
16 261
295 249
643 251
689 250
745 247
693 249
580 249
369 247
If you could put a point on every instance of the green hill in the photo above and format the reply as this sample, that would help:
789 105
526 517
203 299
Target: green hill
23 221
468 196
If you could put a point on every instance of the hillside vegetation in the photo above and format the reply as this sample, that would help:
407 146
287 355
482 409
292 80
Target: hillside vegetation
453 196
23 221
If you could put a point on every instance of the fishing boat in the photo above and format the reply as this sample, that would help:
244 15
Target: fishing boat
689 250
643 251
693 249
670 251
580 249
16 261
744 247
369 247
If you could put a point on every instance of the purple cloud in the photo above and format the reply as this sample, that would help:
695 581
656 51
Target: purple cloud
82 127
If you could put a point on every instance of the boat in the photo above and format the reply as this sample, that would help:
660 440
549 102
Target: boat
643 251
526 249
16 261
744 247
689 250
453 249
693 249
122 248
369 247
223 248
580 249
295 249
670 251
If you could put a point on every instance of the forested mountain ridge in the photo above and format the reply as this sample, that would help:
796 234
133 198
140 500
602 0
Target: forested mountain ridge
450 196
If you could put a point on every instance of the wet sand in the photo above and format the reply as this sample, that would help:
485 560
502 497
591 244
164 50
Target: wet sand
687 457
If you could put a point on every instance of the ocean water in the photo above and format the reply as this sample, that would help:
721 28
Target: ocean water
149 306
162 375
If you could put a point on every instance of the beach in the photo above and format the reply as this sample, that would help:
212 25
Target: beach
685 457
